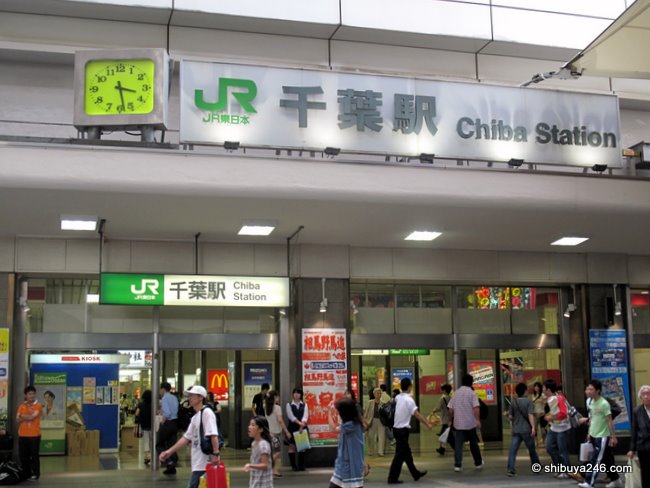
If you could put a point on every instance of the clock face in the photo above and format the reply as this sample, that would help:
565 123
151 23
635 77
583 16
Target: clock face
122 86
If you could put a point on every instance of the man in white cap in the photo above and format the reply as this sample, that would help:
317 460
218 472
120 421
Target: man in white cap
196 396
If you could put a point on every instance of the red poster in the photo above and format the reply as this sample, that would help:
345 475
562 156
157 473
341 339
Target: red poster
354 384
218 384
484 381
324 380
430 385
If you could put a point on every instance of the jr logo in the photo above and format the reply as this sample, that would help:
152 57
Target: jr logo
145 284
246 94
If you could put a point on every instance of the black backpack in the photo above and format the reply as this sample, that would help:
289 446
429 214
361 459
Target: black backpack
387 413
482 410
10 473
185 414
613 406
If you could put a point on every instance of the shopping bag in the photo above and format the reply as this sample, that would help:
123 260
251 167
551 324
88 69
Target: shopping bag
302 440
203 482
434 419
216 476
586 451
444 436
633 479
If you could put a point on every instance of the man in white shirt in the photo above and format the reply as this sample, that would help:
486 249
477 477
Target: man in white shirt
464 416
204 417
405 408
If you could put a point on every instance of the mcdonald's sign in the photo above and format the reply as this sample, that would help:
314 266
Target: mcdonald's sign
218 383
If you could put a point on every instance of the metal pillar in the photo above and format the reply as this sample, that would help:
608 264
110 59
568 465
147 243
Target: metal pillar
19 373
155 385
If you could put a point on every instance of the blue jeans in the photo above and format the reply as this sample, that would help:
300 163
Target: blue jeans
517 439
461 437
195 479
557 448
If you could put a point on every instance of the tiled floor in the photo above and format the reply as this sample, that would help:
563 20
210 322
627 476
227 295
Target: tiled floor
127 470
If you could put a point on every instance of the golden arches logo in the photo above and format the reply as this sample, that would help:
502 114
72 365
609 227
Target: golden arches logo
220 381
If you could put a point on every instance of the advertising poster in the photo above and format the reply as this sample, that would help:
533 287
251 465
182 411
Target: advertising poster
354 384
255 375
51 392
4 376
324 380
397 374
609 364
219 384
484 381
430 384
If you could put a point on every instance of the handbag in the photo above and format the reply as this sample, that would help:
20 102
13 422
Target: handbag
586 451
138 433
444 436
434 419
633 478
216 476
302 440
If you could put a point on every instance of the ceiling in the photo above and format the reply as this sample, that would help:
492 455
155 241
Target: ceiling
172 196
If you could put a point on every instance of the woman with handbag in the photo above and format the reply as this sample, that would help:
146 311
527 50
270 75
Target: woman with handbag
443 410
640 438
298 415
376 431
143 423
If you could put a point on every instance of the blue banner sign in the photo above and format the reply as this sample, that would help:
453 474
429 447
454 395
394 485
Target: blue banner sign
609 362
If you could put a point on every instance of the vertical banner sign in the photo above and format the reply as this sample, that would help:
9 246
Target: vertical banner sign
484 385
4 377
218 384
255 375
609 364
51 392
398 374
324 380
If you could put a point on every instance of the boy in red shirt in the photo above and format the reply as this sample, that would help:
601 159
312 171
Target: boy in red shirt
29 434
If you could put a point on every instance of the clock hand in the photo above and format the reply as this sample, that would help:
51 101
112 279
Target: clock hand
120 88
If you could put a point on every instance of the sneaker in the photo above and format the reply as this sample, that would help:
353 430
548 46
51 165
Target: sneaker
458 469
33 478
615 484
511 474
576 476
480 466
562 476
584 484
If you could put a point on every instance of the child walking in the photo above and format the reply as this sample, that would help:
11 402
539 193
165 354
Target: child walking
260 468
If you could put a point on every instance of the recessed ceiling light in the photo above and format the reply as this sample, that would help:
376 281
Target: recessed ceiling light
92 298
422 235
78 222
258 229
569 241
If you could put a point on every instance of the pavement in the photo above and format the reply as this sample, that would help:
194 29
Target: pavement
126 470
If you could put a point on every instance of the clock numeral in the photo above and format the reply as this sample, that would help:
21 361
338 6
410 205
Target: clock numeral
110 71
99 100
141 99
94 89
130 106
120 68
109 105
120 108
145 87
101 78
140 76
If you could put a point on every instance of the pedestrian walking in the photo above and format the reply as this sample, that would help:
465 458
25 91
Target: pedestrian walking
464 416
405 408
349 466
522 417
260 468
28 417
640 438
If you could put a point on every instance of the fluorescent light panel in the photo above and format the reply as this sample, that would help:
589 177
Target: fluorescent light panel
255 230
92 298
78 222
569 241
422 235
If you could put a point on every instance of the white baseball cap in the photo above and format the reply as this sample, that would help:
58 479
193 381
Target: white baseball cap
196 390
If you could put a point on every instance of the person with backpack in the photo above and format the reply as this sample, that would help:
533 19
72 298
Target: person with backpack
601 435
405 408
522 417
558 420
168 430
203 426
464 416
